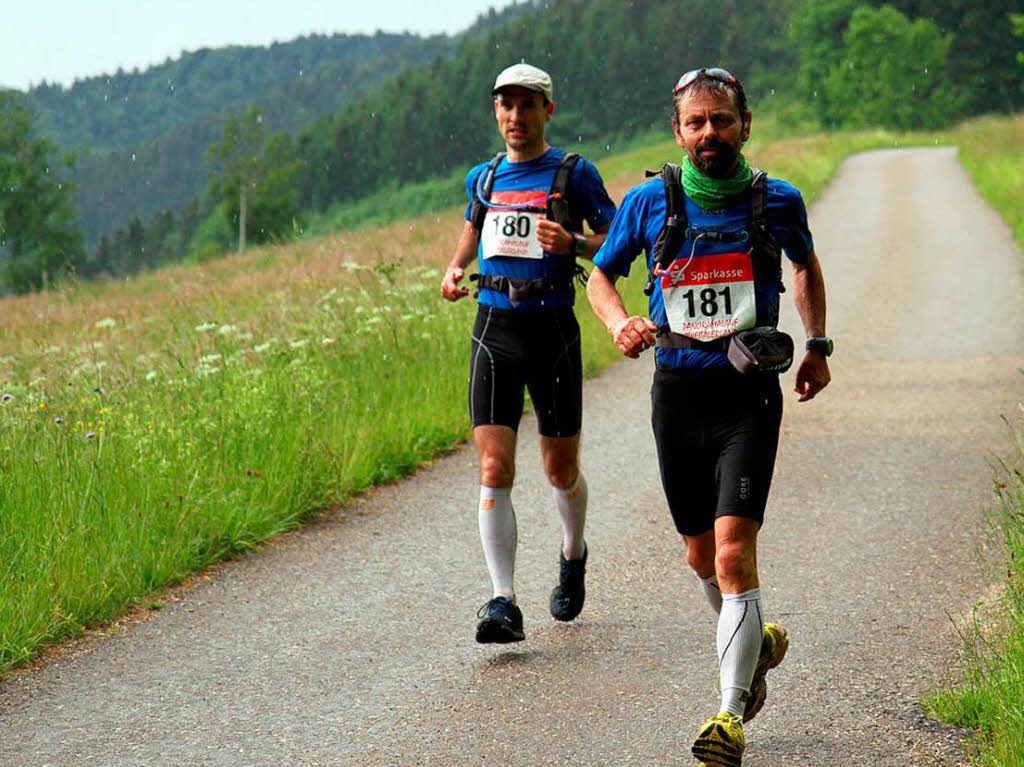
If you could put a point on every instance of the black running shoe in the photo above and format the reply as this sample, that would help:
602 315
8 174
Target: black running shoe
500 621
567 597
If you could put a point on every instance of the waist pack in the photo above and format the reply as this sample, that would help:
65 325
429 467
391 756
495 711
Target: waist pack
760 350
518 290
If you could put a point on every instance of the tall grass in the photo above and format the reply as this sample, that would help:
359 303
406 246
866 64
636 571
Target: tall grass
992 151
151 426
990 699
140 458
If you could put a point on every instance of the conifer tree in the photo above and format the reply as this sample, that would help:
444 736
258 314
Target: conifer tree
39 236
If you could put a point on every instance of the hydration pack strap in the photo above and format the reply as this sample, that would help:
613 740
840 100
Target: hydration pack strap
558 196
673 234
759 220
714 236
478 212
558 206
518 290
758 193
669 340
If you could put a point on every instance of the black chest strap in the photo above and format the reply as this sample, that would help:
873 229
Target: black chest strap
559 203
673 234
559 199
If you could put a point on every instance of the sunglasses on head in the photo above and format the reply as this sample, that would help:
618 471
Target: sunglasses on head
715 73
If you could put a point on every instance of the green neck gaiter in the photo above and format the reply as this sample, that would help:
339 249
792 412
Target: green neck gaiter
715 193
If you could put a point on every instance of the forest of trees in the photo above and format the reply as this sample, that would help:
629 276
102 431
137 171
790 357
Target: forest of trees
140 137
904 64
147 133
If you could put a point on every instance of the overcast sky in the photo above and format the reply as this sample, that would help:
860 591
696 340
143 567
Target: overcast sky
64 40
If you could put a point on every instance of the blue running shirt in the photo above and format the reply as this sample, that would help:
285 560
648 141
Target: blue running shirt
641 217
508 232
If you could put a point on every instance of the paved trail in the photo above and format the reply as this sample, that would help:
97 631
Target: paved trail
350 642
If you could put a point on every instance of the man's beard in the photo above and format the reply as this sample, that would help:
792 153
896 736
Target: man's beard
720 165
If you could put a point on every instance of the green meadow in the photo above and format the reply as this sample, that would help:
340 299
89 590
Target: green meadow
154 426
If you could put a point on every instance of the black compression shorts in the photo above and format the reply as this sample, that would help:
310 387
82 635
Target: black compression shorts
535 350
717 433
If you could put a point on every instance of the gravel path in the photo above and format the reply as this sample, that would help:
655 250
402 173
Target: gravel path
350 642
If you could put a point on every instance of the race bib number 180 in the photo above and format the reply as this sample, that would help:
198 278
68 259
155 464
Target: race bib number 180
710 296
513 233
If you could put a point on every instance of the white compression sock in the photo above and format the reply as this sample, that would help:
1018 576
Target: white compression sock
709 587
740 632
497 521
572 507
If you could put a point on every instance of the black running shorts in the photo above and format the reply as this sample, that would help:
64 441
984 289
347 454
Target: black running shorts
538 350
717 433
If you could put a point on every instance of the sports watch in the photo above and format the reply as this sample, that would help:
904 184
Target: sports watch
821 345
579 244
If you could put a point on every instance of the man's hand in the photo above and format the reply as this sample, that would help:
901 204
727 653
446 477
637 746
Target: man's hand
450 288
554 238
633 335
812 376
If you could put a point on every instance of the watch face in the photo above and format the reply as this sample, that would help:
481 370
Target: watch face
822 345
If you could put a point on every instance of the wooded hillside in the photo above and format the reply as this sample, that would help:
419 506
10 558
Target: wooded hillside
418 109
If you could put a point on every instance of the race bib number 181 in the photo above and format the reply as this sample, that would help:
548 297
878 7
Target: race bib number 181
710 296
513 233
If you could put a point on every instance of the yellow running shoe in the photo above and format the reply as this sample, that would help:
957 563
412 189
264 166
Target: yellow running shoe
773 650
721 741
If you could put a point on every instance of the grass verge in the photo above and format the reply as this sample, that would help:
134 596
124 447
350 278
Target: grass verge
992 151
990 700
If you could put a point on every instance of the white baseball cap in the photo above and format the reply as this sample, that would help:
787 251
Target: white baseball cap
525 76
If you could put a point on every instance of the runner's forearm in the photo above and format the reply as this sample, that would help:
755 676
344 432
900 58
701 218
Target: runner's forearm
465 249
809 296
604 298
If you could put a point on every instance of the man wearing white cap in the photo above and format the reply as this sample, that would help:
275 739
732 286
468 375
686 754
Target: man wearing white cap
524 224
